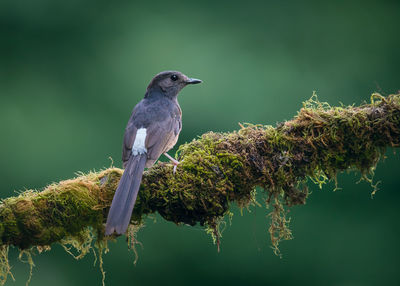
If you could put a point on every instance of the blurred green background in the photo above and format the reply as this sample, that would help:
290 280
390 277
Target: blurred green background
71 72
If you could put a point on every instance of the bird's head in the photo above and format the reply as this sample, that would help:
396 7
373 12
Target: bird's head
171 82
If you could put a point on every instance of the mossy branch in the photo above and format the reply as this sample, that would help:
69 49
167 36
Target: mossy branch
216 170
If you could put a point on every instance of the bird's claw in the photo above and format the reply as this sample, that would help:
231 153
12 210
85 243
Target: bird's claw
173 161
176 163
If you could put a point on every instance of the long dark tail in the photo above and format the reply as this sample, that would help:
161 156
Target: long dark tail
125 196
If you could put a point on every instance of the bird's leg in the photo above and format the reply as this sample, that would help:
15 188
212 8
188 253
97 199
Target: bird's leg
173 160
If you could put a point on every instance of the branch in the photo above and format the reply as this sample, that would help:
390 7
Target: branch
216 170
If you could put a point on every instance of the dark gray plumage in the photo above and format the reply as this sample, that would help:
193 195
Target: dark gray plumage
152 130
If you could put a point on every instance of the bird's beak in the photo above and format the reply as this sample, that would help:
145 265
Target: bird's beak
193 81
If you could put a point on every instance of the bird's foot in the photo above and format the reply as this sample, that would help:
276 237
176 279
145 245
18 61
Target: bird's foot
173 161
175 166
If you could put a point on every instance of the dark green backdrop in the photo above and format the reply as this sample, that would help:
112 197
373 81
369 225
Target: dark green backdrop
71 71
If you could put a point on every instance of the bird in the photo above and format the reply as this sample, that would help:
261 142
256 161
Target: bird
152 130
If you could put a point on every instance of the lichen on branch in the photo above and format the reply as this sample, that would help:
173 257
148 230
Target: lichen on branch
216 170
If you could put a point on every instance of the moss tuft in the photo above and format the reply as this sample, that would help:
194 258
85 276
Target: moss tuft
5 269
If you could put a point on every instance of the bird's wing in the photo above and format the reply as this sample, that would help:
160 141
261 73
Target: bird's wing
130 134
129 138
162 136
162 129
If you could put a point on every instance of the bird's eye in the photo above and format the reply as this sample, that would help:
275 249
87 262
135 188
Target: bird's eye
174 77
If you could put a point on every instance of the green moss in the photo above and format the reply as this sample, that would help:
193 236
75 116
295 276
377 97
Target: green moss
200 189
216 170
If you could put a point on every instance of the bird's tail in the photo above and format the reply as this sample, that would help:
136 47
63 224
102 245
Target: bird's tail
125 195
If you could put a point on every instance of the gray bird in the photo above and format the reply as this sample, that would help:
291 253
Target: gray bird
152 130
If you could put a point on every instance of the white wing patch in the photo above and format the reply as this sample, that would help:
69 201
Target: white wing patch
140 139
